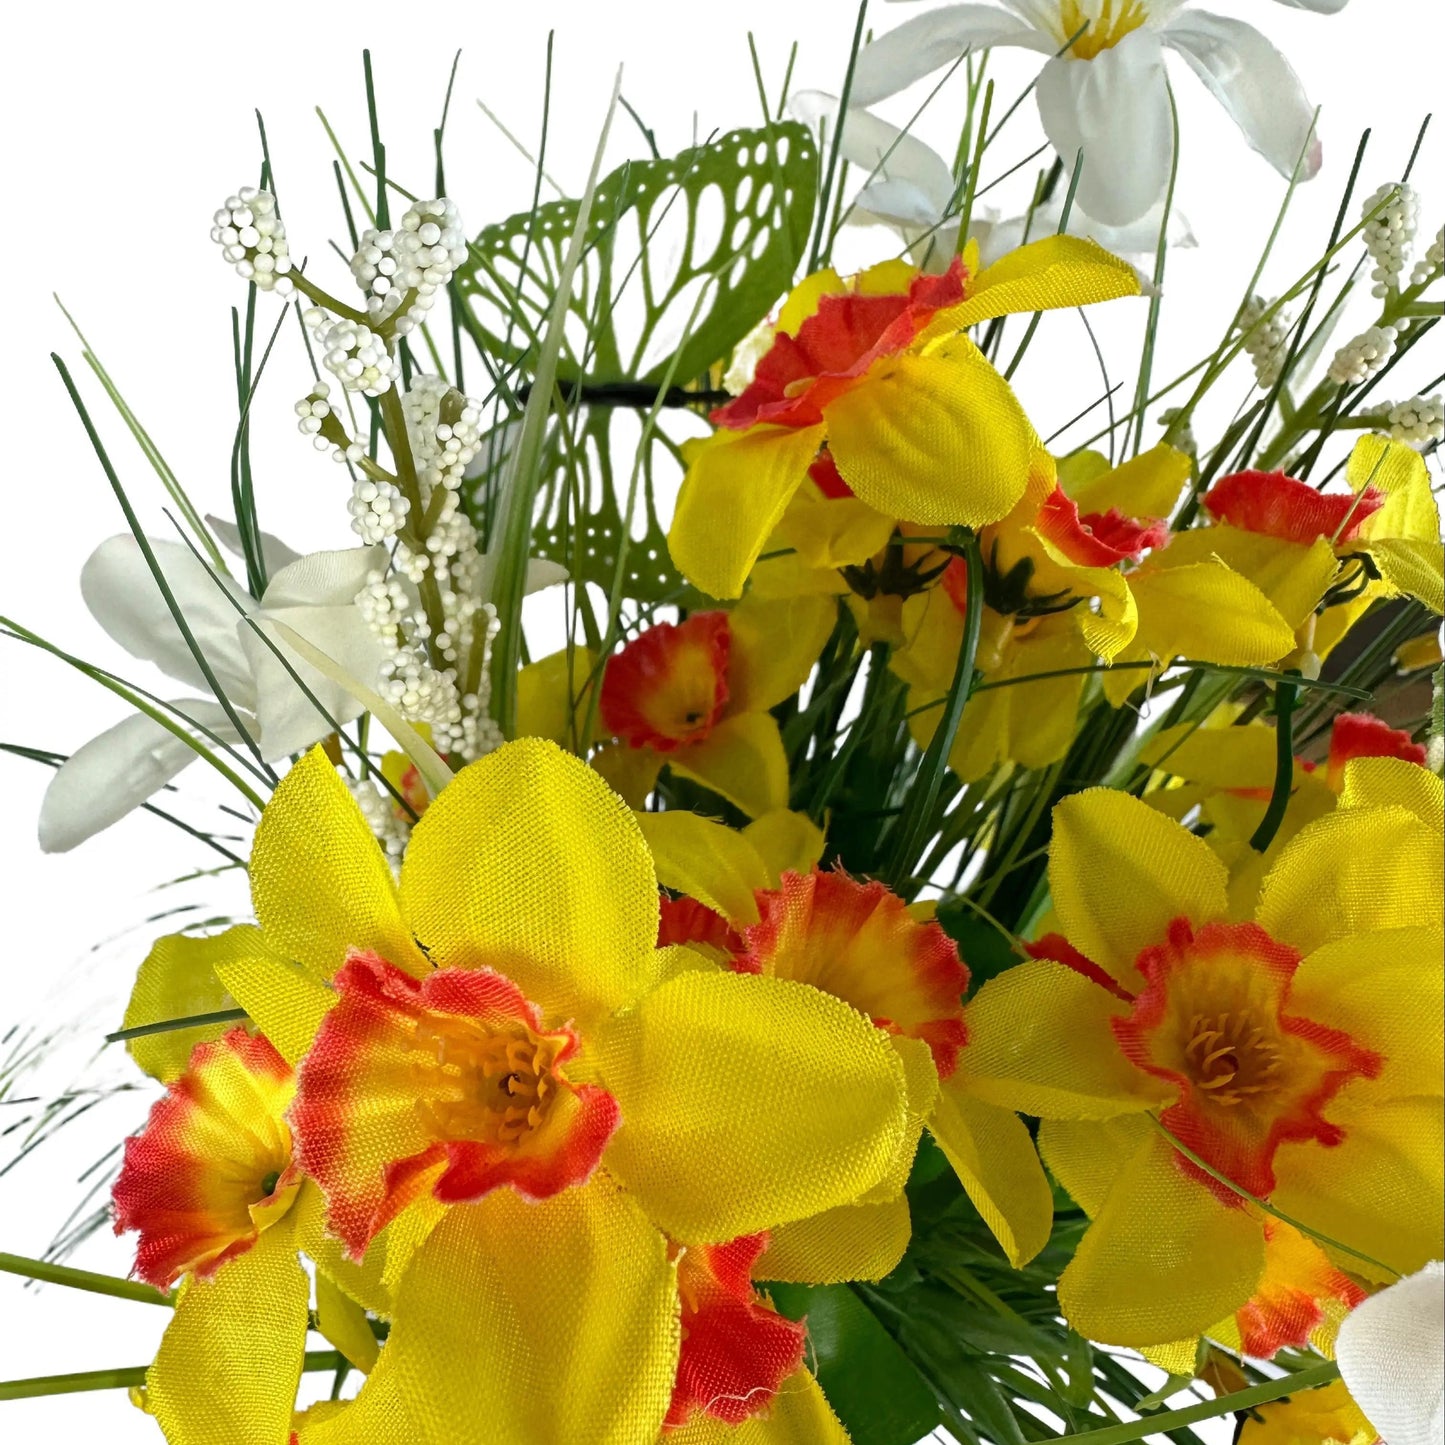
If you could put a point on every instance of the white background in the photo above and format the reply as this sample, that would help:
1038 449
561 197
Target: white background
126 125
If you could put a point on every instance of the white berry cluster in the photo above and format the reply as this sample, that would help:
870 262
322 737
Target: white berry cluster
1184 437
353 353
313 412
389 826
1430 265
1360 359
1417 422
408 265
1390 234
1266 341
249 232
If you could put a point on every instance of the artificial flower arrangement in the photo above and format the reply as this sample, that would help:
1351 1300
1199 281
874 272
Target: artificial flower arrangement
949 926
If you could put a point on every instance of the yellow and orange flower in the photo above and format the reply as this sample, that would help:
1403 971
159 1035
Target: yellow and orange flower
1287 1053
504 1088
915 421
695 696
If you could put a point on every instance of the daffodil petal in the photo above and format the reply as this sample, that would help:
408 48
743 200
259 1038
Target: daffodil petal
708 861
1086 1156
230 1360
742 760
748 1102
851 1242
1164 1259
786 842
1394 782
282 999
529 864
774 644
799 1414
1412 567
996 1163
631 773
937 439
1103 838
579 1282
343 1322
320 884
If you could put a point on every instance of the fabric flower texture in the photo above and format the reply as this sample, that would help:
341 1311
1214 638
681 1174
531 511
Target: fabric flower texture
1295 1056
916 422
500 1072
1104 89
314 595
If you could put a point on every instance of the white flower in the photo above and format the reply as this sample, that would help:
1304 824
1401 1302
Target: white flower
910 188
1390 1350
1109 96
315 595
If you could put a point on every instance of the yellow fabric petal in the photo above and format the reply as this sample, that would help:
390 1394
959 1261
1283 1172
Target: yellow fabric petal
1145 486
343 1322
177 980
1039 1041
1378 1189
1222 757
708 861
1087 1156
1120 873
1041 276
1210 613
1163 1260
799 1415
742 760
1413 567
920 1084
773 646
230 1360
938 439
749 1102
853 1241
631 773
569 1332
1352 872
1387 466
832 531
748 478
1384 990
786 842
995 1161
543 690
282 999
320 883
804 298
1392 782
530 864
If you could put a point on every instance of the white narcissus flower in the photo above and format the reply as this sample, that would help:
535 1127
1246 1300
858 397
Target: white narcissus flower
1391 1351
910 188
1109 94
315 595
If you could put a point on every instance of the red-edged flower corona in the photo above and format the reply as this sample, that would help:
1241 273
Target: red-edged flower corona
1185 1063
695 696
915 421
516 1106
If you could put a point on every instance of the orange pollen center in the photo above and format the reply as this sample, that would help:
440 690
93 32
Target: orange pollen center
505 1079
1231 1057
1101 31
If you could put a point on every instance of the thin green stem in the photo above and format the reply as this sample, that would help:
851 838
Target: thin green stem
125 1378
170 1026
48 1273
1286 696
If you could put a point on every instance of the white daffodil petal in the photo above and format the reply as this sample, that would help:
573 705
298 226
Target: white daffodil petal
926 43
118 587
541 574
1389 1350
1116 109
1254 83
1320 7
899 204
117 771
274 552
289 719
882 152
323 579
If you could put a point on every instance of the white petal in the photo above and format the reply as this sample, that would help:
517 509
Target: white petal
1254 83
928 42
541 574
323 579
289 720
1390 1350
274 552
865 142
1320 7
1136 238
1116 107
118 587
117 771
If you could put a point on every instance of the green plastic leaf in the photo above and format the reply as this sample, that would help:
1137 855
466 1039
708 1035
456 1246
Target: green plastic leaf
733 214
871 1384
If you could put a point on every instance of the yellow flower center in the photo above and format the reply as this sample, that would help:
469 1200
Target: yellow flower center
1231 1057
1103 23
504 1079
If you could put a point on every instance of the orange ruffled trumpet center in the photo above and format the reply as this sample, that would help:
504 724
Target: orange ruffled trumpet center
668 687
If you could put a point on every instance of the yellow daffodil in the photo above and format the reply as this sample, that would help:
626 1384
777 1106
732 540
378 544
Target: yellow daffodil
1297 1055
1326 1416
915 420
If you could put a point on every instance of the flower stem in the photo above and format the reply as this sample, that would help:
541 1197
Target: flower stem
124 1378
48 1273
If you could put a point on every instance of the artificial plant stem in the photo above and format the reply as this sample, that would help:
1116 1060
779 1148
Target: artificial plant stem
169 1026
1286 696
125 1378
48 1273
